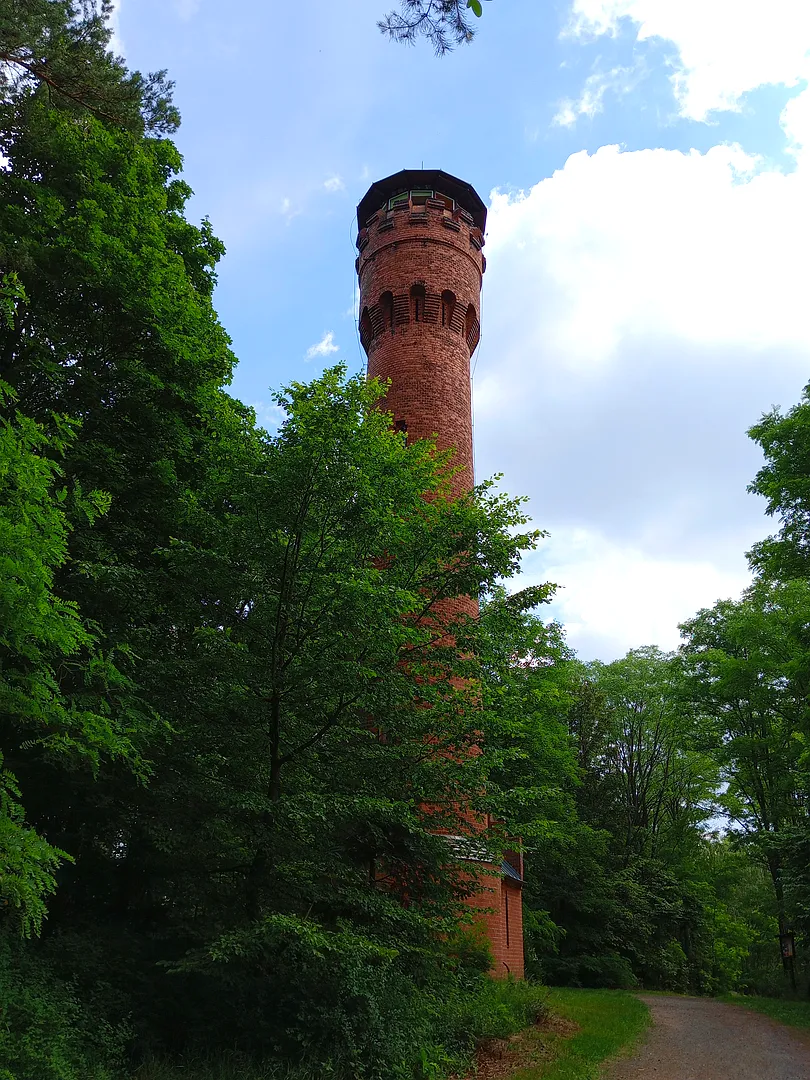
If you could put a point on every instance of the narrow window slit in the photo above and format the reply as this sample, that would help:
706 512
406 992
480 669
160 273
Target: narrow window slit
448 307
418 303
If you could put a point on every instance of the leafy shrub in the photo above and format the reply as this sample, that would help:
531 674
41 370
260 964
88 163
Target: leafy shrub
493 1008
45 1032
608 971
667 968
293 994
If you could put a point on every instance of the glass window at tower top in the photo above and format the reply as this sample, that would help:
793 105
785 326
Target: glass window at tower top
418 197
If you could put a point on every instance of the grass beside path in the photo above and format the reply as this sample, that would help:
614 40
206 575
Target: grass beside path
609 1021
794 1013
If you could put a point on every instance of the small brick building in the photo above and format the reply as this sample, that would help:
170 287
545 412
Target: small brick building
420 235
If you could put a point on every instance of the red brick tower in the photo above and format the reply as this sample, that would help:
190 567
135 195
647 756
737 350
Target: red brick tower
420 234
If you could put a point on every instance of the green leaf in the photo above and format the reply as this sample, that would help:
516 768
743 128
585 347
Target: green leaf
475 5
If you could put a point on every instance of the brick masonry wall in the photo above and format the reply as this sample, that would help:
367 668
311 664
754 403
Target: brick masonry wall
499 901
426 357
428 364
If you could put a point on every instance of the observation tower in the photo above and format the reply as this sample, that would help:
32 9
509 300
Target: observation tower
420 264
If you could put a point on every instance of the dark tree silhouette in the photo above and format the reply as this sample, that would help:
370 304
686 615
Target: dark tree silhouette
445 23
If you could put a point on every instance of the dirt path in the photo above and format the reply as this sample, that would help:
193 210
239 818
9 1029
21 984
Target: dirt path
695 1039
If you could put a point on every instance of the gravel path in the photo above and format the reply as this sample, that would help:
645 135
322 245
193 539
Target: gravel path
695 1039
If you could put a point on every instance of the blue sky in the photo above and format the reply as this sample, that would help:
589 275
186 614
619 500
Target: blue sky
647 164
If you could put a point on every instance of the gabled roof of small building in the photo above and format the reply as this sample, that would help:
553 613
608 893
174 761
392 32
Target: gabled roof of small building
435 179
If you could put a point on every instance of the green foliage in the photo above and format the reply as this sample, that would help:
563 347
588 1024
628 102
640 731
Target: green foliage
748 666
225 1065
324 816
635 891
443 1038
772 622
273 601
42 639
57 50
11 294
783 482
46 1031
29 862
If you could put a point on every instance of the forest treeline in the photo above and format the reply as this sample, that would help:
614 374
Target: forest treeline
233 724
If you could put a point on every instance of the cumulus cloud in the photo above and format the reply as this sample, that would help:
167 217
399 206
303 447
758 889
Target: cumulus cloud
334 183
725 47
706 247
325 347
616 597
648 307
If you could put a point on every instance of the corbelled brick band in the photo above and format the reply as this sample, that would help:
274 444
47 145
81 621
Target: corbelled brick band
420 265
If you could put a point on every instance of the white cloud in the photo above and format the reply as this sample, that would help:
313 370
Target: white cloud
726 47
288 210
325 347
116 42
648 307
616 597
708 248
269 415
796 123
591 100
334 183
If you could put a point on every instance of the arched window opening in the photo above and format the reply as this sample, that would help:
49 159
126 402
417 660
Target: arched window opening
448 307
387 310
366 330
472 328
418 303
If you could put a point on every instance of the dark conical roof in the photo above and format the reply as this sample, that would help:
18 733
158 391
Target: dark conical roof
435 179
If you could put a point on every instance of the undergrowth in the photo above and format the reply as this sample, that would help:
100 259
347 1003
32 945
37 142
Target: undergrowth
492 1009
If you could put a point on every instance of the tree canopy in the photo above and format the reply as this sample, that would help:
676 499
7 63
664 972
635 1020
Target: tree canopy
58 50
